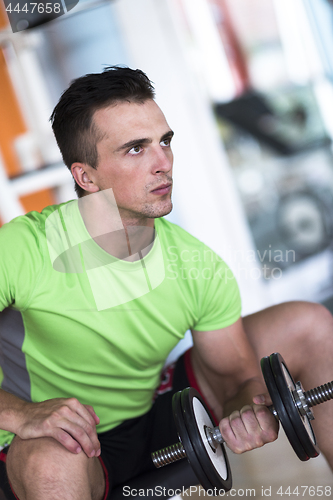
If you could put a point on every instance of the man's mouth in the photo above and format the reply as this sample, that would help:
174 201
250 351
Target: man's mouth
162 189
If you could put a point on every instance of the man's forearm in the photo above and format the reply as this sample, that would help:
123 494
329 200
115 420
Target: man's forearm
11 411
225 394
250 388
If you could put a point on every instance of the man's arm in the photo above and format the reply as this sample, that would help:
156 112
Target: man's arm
228 374
66 420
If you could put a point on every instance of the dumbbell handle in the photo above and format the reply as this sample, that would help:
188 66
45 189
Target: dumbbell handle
177 451
319 395
303 401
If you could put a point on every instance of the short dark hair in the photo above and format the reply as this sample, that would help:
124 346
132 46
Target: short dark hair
72 118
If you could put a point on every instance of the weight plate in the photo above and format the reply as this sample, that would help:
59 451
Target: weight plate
184 438
213 461
286 385
280 408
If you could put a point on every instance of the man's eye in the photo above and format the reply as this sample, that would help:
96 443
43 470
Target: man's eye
135 150
166 142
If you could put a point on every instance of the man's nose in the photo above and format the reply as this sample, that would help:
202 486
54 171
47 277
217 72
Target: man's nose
162 161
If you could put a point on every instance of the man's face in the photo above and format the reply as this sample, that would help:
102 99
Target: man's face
135 159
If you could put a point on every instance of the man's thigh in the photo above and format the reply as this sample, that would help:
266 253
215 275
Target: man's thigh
300 331
36 465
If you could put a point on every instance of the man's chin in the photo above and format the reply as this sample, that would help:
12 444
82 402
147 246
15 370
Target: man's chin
163 211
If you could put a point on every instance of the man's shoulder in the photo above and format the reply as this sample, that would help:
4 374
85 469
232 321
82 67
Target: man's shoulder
31 221
182 247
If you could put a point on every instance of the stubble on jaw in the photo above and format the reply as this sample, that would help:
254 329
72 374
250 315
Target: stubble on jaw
147 212
152 212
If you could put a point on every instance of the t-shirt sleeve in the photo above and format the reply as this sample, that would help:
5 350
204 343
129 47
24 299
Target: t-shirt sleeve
219 296
20 263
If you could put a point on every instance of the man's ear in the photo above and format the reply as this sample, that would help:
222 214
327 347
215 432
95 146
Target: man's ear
81 174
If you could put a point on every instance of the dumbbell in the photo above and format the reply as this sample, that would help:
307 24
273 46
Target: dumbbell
202 443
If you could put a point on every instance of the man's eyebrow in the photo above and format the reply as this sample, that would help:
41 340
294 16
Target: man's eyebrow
168 135
144 140
133 143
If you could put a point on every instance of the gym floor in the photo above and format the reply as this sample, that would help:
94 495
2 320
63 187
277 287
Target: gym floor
269 471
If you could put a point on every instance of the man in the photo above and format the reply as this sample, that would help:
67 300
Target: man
103 296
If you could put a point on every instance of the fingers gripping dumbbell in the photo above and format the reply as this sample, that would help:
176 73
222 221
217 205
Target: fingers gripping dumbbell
202 443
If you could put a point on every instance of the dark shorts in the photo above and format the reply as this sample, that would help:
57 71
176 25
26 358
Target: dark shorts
126 449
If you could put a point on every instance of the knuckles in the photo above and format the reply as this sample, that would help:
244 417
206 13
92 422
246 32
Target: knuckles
73 402
64 410
250 428
262 412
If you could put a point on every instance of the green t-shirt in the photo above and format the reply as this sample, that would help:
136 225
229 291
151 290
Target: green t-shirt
95 327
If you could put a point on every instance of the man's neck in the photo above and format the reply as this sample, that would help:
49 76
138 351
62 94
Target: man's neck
126 238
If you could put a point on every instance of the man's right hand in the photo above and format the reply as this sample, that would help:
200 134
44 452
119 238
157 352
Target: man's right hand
68 421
